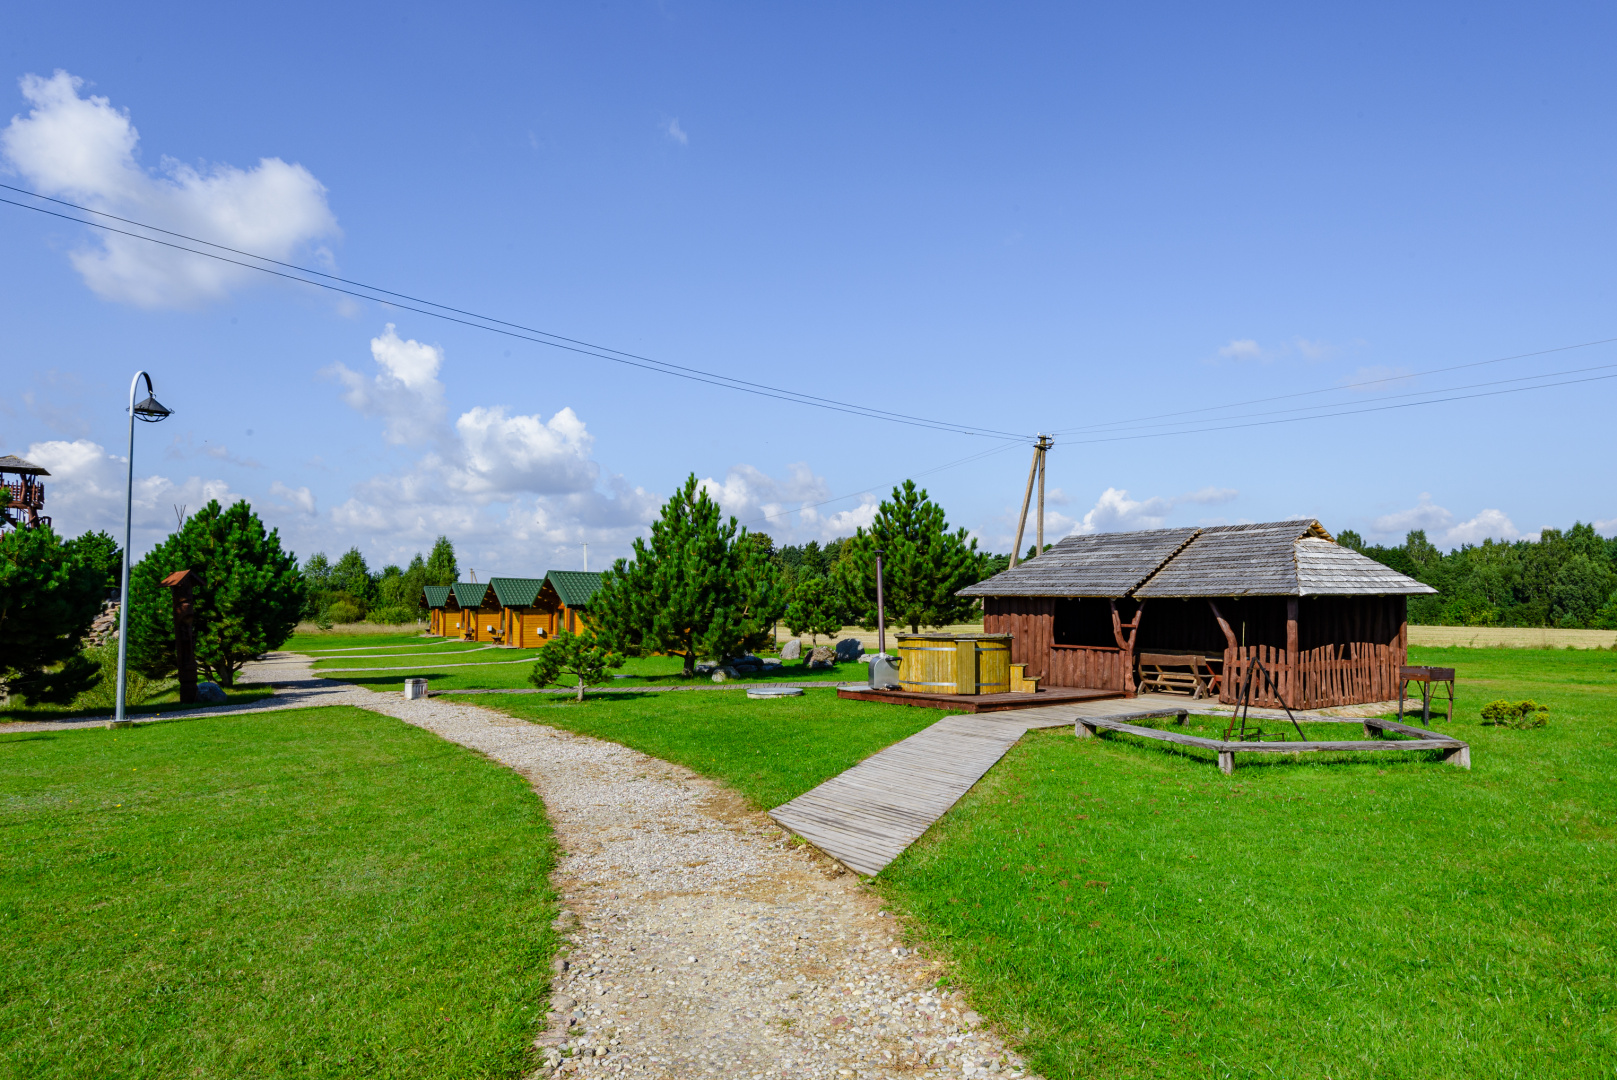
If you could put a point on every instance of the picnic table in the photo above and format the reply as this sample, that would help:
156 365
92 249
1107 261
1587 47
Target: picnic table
1191 674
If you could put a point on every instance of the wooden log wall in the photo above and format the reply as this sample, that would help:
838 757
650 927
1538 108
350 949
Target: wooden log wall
1331 675
1090 667
1030 620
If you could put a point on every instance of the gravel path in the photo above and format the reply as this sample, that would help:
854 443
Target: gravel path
701 941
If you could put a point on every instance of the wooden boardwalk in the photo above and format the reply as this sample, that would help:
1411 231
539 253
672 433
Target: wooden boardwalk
866 817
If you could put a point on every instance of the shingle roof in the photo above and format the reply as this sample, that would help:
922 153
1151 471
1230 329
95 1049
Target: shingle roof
13 463
437 595
1275 558
470 594
516 591
1102 564
575 587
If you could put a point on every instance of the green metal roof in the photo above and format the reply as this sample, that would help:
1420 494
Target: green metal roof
470 594
516 591
575 587
437 595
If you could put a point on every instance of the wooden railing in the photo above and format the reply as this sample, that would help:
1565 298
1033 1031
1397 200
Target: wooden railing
1321 678
31 496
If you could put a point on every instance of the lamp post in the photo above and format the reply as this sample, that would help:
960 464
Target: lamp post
151 411
881 610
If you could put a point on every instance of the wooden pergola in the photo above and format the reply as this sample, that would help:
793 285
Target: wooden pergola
1329 624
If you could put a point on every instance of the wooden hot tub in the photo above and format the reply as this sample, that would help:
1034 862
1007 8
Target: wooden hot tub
955 663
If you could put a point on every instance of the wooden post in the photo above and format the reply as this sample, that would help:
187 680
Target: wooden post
1038 541
1027 497
181 584
1293 677
1083 730
1226 762
1126 644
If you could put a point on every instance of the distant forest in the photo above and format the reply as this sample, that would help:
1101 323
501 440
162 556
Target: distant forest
1564 579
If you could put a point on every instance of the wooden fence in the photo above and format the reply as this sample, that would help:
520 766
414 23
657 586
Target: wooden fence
1321 678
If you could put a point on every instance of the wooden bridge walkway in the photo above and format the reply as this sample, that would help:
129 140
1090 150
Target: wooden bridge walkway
866 817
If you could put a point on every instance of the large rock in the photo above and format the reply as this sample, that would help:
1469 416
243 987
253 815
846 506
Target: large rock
792 650
821 658
209 693
849 649
747 665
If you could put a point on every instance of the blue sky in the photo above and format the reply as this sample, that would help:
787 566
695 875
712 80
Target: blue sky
1030 218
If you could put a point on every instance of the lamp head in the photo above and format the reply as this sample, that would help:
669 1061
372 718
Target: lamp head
151 410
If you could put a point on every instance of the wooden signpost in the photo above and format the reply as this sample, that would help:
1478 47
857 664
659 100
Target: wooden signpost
181 584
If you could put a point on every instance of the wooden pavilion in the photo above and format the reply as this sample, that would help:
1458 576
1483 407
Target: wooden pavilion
1330 625
25 495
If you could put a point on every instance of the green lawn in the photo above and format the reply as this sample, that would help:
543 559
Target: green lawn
770 751
324 643
1143 915
311 893
161 704
502 669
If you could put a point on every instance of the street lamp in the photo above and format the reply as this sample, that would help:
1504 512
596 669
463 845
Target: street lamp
151 411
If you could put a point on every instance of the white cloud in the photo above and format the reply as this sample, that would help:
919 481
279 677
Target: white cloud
1114 511
1242 349
83 149
1439 525
290 498
85 491
1314 351
1606 528
677 133
504 455
766 504
405 393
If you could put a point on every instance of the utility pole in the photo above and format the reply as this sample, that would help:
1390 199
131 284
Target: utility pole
1035 471
586 558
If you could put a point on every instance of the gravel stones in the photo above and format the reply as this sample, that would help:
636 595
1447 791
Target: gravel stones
699 940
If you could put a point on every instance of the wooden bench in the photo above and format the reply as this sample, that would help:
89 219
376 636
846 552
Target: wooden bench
1455 752
1178 673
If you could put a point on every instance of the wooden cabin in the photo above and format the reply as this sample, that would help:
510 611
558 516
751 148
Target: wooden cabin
437 599
1330 625
526 621
476 612
570 591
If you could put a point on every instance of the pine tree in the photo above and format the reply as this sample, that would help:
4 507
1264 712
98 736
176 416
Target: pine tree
248 603
815 609
50 592
441 568
699 587
579 655
924 564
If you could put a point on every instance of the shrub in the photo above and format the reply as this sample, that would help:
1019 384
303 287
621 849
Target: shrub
344 609
1516 714
392 615
104 694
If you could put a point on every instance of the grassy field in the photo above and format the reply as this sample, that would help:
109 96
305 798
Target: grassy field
312 893
399 657
770 751
165 703
1142 915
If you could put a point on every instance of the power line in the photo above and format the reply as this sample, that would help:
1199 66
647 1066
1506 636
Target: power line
493 325
1336 389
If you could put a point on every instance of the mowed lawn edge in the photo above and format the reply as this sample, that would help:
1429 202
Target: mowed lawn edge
768 751
1136 913
313 892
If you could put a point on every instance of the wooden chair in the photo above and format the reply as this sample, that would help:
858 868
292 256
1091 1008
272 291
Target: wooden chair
1178 673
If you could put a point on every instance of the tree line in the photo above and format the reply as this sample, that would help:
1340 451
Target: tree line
1563 579
348 591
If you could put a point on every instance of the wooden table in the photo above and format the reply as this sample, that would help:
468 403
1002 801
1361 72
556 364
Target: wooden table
1426 676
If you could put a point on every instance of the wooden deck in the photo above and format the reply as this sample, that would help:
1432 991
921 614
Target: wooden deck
865 817
980 703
